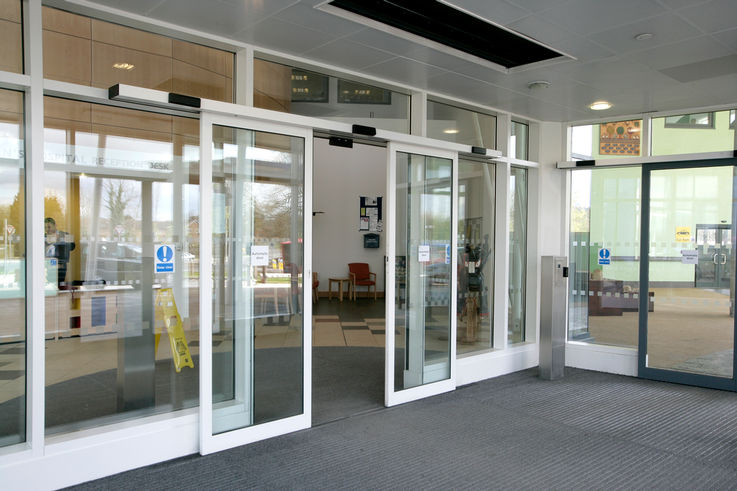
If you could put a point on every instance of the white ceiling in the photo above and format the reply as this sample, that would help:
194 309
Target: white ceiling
610 63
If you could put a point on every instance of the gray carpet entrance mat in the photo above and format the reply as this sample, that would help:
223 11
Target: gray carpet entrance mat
588 431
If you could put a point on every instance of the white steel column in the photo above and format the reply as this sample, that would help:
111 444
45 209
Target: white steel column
418 113
35 278
501 256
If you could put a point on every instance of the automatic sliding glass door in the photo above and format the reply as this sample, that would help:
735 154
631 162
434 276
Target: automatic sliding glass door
255 369
687 325
420 356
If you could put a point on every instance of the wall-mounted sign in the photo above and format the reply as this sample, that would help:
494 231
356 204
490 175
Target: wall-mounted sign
164 259
260 255
605 256
683 234
423 253
689 256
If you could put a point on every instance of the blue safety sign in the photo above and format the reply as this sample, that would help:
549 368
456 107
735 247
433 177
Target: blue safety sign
605 256
447 254
164 260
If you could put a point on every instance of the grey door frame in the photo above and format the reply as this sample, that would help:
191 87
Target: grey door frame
658 373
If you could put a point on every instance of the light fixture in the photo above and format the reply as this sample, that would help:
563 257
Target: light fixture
124 66
645 36
450 131
600 105
538 84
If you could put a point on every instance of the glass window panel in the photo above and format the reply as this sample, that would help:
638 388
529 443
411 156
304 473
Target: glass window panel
258 186
690 322
693 133
423 289
606 140
11 36
455 124
284 88
519 145
122 264
605 214
12 271
517 254
88 51
476 214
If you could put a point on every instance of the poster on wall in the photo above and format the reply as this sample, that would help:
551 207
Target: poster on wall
370 210
620 138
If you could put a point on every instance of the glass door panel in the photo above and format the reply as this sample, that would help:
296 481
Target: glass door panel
420 355
689 323
257 341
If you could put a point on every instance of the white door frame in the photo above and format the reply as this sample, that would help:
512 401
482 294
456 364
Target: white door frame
210 443
392 397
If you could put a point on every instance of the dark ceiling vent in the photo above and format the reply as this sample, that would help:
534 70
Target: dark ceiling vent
451 27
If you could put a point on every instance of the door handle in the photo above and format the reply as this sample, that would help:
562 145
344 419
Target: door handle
724 259
714 258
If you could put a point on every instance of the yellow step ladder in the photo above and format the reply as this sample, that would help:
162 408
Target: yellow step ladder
166 311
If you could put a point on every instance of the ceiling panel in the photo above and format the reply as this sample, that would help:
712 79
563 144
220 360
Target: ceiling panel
665 29
348 54
583 49
497 11
538 27
728 39
405 71
284 36
713 16
586 17
682 53
308 16
142 7
216 16
383 41
537 5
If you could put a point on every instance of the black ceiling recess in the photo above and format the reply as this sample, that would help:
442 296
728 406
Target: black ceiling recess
445 25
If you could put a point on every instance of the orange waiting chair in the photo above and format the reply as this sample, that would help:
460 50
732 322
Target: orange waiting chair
361 276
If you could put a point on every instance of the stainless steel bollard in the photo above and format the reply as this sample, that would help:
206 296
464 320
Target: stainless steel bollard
553 317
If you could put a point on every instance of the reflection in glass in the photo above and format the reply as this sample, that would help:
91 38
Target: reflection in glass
604 301
475 255
423 270
690 320
12 271
455 124
606 140
11 36
693 133
121 203
93 52
258 186
517 254
328 97
519 144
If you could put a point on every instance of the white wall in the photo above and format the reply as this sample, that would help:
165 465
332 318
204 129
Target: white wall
552 191
340 177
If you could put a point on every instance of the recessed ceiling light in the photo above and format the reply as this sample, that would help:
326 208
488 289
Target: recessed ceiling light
538 84
600 105
450 131
644 36
124 66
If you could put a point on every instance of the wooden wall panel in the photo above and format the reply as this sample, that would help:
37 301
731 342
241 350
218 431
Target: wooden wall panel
127 37
272 86
11 101
214 60
10 10
186 126
57 108
151 71
67 58
66 23
11 36
191 80
130 118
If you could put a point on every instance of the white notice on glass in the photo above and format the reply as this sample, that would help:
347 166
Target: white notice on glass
423 253
260 255
689 256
